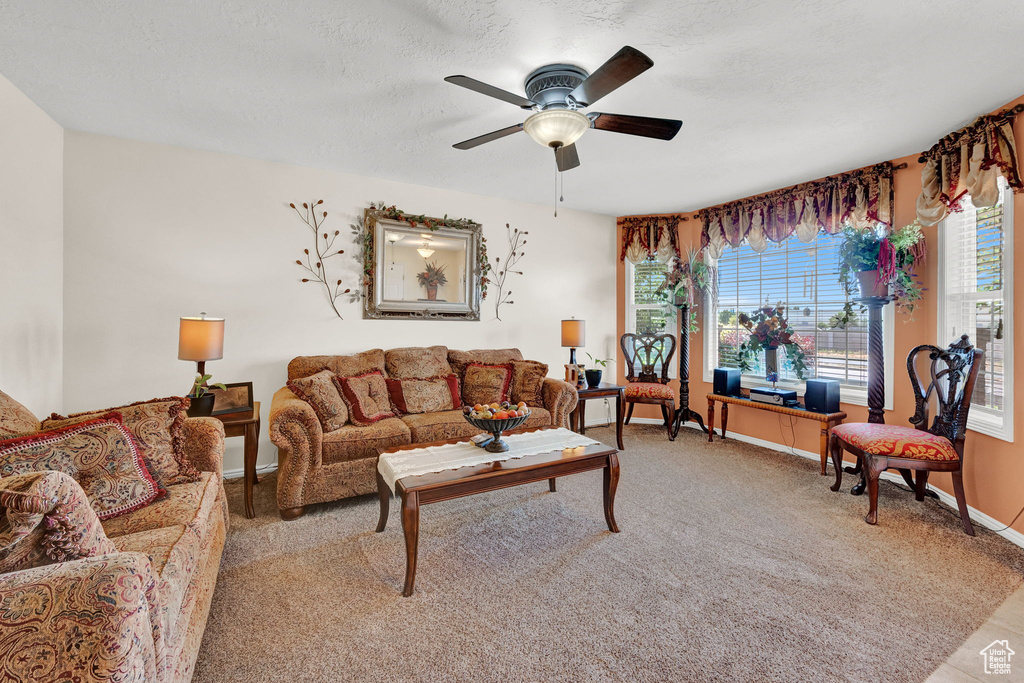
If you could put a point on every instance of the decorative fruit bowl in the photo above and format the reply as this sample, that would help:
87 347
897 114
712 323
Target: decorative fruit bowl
496 427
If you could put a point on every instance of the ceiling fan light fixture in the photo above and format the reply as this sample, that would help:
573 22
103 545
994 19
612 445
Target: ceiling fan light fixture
556 127
425 251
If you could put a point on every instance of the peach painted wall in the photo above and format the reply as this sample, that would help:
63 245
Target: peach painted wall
993 468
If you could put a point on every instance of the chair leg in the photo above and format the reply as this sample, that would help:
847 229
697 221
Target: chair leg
920 484
836 449
669 413
872 471
629 413
961 501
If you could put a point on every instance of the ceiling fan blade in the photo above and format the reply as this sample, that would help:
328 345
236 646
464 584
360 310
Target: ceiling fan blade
490 91
624 66
662 129
566 157
488 137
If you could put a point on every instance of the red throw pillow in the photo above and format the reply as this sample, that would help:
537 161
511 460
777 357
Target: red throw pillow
366 396
101 455
430 395
486 384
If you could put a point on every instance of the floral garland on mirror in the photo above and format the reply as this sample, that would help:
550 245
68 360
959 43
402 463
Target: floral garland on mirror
365 238
323 246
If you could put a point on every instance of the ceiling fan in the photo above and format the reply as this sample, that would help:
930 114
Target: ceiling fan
556 93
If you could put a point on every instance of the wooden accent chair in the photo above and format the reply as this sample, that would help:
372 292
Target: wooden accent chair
938 447
647 351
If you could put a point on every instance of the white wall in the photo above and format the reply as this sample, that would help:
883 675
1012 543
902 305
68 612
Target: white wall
32 252
157 232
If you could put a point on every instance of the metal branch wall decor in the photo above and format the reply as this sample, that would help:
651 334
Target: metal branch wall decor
323 247
516 242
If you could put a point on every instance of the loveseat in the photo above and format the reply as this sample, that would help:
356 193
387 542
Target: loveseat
318 464
136 612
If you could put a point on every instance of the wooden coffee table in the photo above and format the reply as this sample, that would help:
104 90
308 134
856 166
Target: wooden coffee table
435 487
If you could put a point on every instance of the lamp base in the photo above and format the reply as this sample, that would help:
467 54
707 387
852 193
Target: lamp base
572 355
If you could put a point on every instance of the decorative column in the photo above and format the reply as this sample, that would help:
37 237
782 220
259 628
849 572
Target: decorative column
876 358
683 412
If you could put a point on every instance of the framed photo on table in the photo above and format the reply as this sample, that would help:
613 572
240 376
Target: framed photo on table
235 398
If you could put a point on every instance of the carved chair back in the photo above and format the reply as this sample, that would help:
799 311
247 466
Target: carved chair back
948 384
647 352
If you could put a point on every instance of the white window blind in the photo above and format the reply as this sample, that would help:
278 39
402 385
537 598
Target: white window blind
975 279
805 278
646 306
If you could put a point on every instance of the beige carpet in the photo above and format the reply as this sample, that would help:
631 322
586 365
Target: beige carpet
734 563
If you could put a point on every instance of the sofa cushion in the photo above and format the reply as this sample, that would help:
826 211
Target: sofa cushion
175 547
486 384
46 518
344 366
158 427
354 442
366 396
417 362
528 382
539 417
100 454
460 359
322 394
183 505
15 418
449 424
414 396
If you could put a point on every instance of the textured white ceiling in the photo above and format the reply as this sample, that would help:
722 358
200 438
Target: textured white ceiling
770 93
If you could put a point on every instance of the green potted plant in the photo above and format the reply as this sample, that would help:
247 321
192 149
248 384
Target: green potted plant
687 278
877 263
594 376
432 278
200 398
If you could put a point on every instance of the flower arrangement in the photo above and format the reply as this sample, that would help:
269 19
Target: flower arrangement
686 278
893 256
769 330
433 276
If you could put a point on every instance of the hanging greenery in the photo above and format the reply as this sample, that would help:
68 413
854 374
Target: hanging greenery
688 278
894 255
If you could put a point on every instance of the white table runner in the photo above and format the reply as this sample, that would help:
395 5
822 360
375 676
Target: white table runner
394 466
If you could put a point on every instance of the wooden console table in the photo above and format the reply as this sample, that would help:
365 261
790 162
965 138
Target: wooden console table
246 425
827 420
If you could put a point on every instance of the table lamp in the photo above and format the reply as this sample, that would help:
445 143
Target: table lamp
573 335
201 339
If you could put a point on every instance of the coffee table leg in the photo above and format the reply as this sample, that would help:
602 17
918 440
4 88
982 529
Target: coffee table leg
552 486
384 493
411 526
611 482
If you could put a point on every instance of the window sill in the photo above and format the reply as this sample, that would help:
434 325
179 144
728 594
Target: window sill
990 425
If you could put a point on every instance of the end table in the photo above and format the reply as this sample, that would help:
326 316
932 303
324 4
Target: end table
246 425
602 390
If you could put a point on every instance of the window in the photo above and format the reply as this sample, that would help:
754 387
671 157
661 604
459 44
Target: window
646 309
805 278
976 295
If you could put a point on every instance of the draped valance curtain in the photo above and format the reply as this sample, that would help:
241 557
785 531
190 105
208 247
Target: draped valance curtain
861 198
645 237
969 161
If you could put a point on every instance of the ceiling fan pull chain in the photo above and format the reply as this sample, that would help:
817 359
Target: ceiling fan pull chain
556 190
561 187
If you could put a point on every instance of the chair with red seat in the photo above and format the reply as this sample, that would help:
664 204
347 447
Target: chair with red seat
938 447
649 352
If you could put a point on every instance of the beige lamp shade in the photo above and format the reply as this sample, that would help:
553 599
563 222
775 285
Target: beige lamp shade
573 333
201 339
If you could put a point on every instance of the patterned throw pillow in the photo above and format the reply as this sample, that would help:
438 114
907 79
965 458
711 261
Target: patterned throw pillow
46 518
320 392
366 397
486 383
528 382
99 454
158 427
433 395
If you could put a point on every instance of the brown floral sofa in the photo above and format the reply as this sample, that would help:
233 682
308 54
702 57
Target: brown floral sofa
316 466
135 614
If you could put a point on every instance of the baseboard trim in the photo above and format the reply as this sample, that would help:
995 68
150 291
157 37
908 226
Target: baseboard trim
240 472
1011 535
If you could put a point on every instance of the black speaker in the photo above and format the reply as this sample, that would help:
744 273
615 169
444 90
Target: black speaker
727 382
822 395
